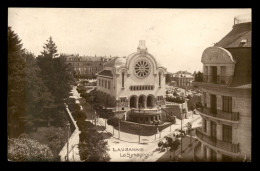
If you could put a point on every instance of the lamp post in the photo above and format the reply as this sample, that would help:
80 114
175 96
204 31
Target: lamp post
118 127
156 127
105 117
68 128
139 128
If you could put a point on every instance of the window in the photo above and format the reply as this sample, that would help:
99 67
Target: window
227 133
205 99
123 81
108 84
160 97
227 104
142 68
123 99
105 83
99 82
204 125
102 83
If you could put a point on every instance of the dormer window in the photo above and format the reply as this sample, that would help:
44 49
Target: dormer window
242 43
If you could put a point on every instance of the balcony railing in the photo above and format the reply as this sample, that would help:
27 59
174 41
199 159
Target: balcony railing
224 80
232 116
227 146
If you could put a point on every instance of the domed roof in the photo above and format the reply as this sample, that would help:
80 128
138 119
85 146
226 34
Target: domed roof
158 62
120 62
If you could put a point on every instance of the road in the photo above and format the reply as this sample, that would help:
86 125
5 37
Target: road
126 148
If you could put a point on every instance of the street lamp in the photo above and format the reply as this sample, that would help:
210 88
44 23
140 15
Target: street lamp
118 127
139 126
156 127
68 128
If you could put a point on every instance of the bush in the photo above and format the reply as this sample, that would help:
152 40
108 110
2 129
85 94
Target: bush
81 89
74 107
79 115
175 99
26 149
84 95
113 121
160 144
70 101
82 125
171 118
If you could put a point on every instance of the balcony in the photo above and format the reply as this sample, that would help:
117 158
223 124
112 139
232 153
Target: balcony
223 80
226 146
227 116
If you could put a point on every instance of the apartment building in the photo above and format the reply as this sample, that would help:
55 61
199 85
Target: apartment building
226 101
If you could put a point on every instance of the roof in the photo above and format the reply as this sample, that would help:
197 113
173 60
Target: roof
110 63
240 32
106 73
243 72
183 74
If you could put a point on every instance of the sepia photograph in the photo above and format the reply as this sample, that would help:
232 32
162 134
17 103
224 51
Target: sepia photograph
129 85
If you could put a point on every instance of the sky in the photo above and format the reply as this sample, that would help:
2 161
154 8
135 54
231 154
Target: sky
175 37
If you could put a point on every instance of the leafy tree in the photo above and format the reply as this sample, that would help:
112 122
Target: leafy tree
26 149
199 77
92 147
57 77
38 96
56 139
174 146
168 78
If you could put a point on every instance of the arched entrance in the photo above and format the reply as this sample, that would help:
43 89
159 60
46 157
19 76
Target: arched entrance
133 101
150 101
141 101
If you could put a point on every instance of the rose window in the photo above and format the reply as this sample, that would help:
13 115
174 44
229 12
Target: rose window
142 68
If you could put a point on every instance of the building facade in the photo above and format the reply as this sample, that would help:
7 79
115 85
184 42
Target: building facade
182 78
86 66
226 113
132 83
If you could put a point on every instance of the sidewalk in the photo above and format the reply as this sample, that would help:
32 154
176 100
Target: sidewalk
134 138
74 138
145 150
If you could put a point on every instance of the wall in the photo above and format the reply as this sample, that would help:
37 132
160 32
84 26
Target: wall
152 79
242 134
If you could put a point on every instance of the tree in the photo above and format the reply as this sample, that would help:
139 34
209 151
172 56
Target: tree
174 146
160 145
56 139
16 83
189 130
92 147
199 77
168 78
50 49
57 77
38 95
26 149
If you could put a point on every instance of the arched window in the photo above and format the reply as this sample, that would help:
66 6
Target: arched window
123 81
